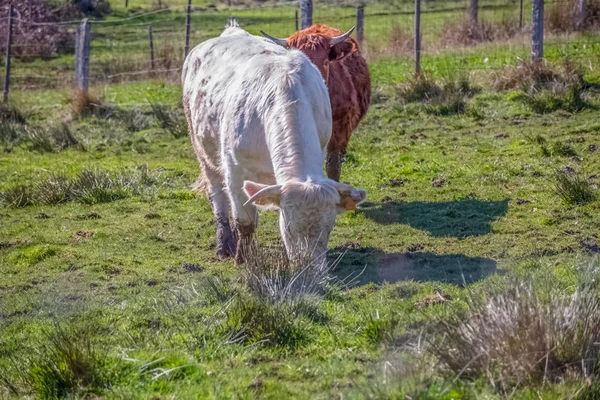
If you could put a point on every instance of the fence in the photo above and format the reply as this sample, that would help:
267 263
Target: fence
447 35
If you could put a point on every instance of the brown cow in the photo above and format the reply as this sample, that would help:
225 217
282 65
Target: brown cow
347 76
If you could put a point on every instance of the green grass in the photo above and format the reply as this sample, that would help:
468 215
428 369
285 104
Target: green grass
110 286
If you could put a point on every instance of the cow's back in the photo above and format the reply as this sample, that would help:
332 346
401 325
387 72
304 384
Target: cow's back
235 85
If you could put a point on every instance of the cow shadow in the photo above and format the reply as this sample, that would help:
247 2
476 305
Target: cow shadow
460 218
359 266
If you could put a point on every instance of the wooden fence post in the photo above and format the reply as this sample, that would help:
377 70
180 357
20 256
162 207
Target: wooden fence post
521 14
306 8
537 37
473 12
297 21
82 55
360 24
417 37
581 14
187 29
151 47
8 52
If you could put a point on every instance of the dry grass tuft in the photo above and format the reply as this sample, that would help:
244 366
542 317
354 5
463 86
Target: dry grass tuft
574 189
401 42
84 104
272 275
466 33
517 338
561 17
529 76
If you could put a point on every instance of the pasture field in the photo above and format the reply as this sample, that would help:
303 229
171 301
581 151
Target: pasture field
110 288
120 46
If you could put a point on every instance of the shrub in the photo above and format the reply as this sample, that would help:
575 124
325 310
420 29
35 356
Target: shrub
573 189
515 337
36 41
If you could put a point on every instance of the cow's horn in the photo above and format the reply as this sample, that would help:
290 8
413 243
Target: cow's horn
281 42
341 38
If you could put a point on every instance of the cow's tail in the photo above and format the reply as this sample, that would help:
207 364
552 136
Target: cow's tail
232 23
201 184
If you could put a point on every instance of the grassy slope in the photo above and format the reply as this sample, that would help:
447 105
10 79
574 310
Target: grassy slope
132 285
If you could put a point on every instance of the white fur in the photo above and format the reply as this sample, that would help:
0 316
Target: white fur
260 113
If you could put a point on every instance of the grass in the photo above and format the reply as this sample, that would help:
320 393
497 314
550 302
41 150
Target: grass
516 339
574 190
110 287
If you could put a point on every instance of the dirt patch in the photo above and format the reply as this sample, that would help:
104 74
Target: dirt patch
81 235
438 182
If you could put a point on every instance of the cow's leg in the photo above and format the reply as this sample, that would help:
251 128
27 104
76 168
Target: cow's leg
334 164
219 202
245 217
336 148
226 241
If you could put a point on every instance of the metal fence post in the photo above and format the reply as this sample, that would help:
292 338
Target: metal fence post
8 52
151 47
82 55
417 37
521 14
537 37
360 24
187 29
306 8
297 21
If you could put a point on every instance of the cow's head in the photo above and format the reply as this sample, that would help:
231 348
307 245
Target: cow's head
320 47
307 210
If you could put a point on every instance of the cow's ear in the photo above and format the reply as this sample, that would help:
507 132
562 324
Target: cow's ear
340 50
263 196
350 197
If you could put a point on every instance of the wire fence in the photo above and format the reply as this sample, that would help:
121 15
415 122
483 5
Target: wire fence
150 44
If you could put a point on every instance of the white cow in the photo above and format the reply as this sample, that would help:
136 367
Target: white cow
259 119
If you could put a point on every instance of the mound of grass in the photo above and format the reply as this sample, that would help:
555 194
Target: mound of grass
169 119
545 88
11 114
284 324
66 363
88 187
443 99
528 76
84 104
573 189
562 97
467 33
515 338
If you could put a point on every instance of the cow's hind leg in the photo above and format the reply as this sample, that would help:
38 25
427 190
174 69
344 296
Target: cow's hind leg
245 217
226 240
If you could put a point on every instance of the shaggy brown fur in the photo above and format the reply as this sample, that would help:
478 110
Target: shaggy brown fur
347 76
